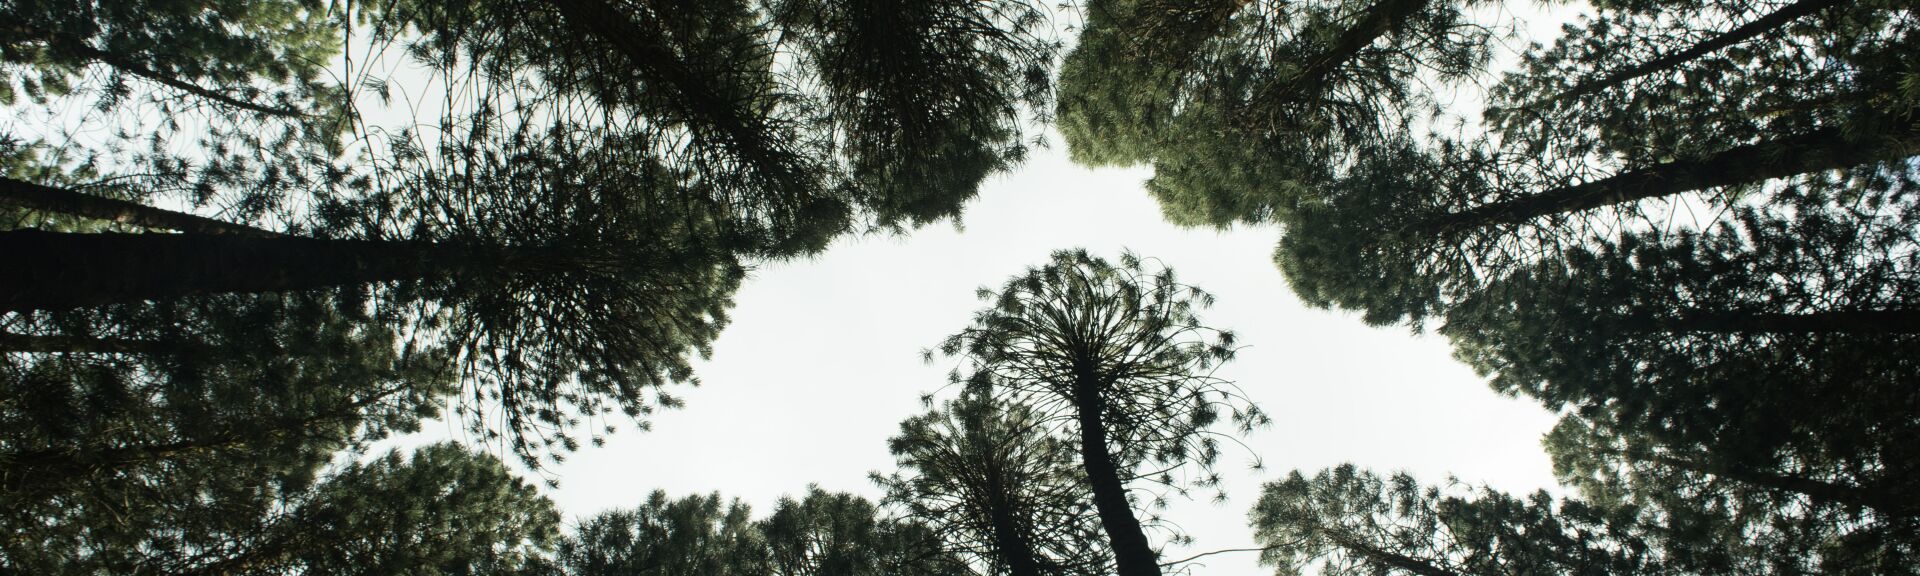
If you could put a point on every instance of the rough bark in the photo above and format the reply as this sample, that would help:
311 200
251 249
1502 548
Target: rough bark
1825 149
59 270
1014 548
1132 553
32 196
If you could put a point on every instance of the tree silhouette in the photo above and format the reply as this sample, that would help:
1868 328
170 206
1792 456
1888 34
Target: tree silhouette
821 534
1116 357
575 246
692 535
204 409
1352 521
992 480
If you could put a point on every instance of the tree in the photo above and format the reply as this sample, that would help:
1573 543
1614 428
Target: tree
1414 226
1116 357
692 535
1243 108
220 407
836 534
1804 512
639 162
443 510
51 45
822 534
998 487
627 288
1804 313
1355 522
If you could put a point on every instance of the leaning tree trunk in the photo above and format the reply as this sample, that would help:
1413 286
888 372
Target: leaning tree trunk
59 270
1132 554
32 196
1825 149
1762 25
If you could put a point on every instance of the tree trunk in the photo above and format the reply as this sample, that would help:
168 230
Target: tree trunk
1378 19
1132 554
1826 149
1014 548
1834 322
10 342
73 203
58 270
1743 33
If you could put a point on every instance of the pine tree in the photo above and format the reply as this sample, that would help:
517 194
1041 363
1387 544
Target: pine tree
998 487
1351 521
1115 357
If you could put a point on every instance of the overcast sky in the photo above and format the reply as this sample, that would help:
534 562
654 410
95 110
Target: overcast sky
823 361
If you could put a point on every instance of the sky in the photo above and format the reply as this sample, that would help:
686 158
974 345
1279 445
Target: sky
823 360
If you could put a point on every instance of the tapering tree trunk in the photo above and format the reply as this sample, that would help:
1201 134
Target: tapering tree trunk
58 270
1826 149
1012 544
1132 553
1833 322
1764 24
32 196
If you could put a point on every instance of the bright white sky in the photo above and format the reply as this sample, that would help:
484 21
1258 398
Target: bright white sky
823 361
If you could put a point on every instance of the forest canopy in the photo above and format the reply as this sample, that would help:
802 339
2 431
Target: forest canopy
244 244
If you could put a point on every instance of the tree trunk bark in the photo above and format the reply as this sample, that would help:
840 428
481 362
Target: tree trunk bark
1014 547
1132 554
1834 322
58 270
1743 33
73 203
1826 149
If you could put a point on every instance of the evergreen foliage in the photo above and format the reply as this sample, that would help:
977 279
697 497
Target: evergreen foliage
999 487
821 534
1115 358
